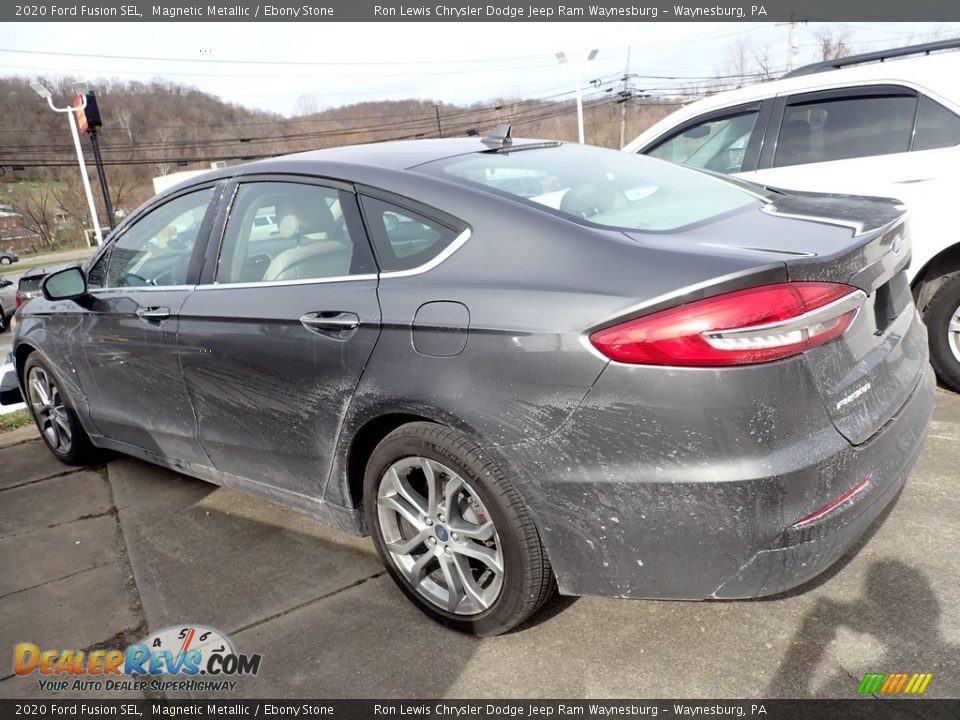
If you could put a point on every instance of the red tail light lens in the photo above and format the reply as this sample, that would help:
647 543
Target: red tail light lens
18 299
739 328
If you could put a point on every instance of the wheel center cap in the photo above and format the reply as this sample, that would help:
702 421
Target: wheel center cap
441 532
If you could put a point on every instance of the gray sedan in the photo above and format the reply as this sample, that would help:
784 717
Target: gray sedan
518 365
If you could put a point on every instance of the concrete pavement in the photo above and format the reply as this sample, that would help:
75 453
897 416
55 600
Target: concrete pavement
99 558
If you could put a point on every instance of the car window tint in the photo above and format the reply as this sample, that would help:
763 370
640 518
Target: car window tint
606 187
845 128
403 238
719 144
280 231
937 127
156 250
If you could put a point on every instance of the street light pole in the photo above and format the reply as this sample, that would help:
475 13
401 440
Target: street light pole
72 121
578 77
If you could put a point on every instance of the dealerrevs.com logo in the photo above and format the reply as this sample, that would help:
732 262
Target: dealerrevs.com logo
182 658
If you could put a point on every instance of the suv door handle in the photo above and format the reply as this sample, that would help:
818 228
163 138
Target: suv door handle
330 321
153 314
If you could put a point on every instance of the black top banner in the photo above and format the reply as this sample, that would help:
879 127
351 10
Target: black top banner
471 11
866 709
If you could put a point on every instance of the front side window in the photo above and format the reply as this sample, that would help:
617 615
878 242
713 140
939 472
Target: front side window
845 128
719 144
156 250
281 231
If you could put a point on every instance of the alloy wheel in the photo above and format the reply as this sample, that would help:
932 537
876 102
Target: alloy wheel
440 535
49 409
953 334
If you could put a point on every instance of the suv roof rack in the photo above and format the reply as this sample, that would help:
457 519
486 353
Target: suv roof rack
877 56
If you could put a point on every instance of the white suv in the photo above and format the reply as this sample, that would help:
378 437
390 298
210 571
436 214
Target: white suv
884 123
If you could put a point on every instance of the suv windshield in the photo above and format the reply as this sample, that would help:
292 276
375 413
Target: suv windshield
604 187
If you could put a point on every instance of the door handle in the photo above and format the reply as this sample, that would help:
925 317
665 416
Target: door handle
331 321
153 314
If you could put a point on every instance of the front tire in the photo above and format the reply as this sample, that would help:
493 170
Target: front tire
3 320
55 415
942 317
454 534
5 260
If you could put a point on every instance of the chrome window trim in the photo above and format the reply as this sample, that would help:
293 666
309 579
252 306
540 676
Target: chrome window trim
449 250
138 288
284 283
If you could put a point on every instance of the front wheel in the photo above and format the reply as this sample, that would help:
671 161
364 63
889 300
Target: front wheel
942 317
55 416
5 260
455 535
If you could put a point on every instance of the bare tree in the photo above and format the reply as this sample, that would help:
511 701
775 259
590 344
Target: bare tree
763 65
163 168
833 44
36 211
122 116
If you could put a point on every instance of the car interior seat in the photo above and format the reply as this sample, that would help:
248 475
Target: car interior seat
320 251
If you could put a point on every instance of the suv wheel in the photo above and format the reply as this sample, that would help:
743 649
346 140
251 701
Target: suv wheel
942 316
454 534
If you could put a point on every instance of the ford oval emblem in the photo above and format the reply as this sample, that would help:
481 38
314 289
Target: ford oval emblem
897 246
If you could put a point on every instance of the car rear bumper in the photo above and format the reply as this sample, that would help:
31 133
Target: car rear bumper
692 487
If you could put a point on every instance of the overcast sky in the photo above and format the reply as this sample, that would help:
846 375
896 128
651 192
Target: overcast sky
274 66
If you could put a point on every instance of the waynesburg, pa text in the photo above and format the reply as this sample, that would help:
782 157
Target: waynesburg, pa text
536 12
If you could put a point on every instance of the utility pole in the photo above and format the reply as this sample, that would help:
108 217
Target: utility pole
625 96
439 127
791 26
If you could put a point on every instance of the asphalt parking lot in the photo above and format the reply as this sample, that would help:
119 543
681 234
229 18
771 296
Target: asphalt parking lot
98 558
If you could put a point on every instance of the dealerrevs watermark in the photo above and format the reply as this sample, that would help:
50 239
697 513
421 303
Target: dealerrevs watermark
186 658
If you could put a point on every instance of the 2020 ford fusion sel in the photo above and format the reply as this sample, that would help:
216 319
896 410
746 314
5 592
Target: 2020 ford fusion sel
518 365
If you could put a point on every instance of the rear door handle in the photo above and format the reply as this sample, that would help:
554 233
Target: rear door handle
331 322
153 314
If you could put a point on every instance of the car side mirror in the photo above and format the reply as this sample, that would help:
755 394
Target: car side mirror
67 284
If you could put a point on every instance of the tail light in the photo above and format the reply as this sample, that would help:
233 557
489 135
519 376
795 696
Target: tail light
757 325
19 299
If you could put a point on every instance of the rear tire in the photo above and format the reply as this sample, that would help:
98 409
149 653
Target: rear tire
55 415
5 260
3 319
467 552
942 317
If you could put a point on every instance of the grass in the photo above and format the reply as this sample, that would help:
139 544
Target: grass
21 267
18 419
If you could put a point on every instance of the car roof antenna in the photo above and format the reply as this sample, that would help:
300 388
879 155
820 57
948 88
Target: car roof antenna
498 137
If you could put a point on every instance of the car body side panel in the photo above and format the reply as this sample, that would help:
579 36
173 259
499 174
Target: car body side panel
269 394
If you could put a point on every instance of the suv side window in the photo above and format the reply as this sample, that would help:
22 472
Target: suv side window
405 239
281 231
156 250
845 127
937 127
718 144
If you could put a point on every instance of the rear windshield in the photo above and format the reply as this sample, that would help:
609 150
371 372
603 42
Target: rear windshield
29 284
603 187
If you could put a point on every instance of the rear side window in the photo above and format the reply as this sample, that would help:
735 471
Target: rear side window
845 128
719 144
405 239
283 231
937 127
